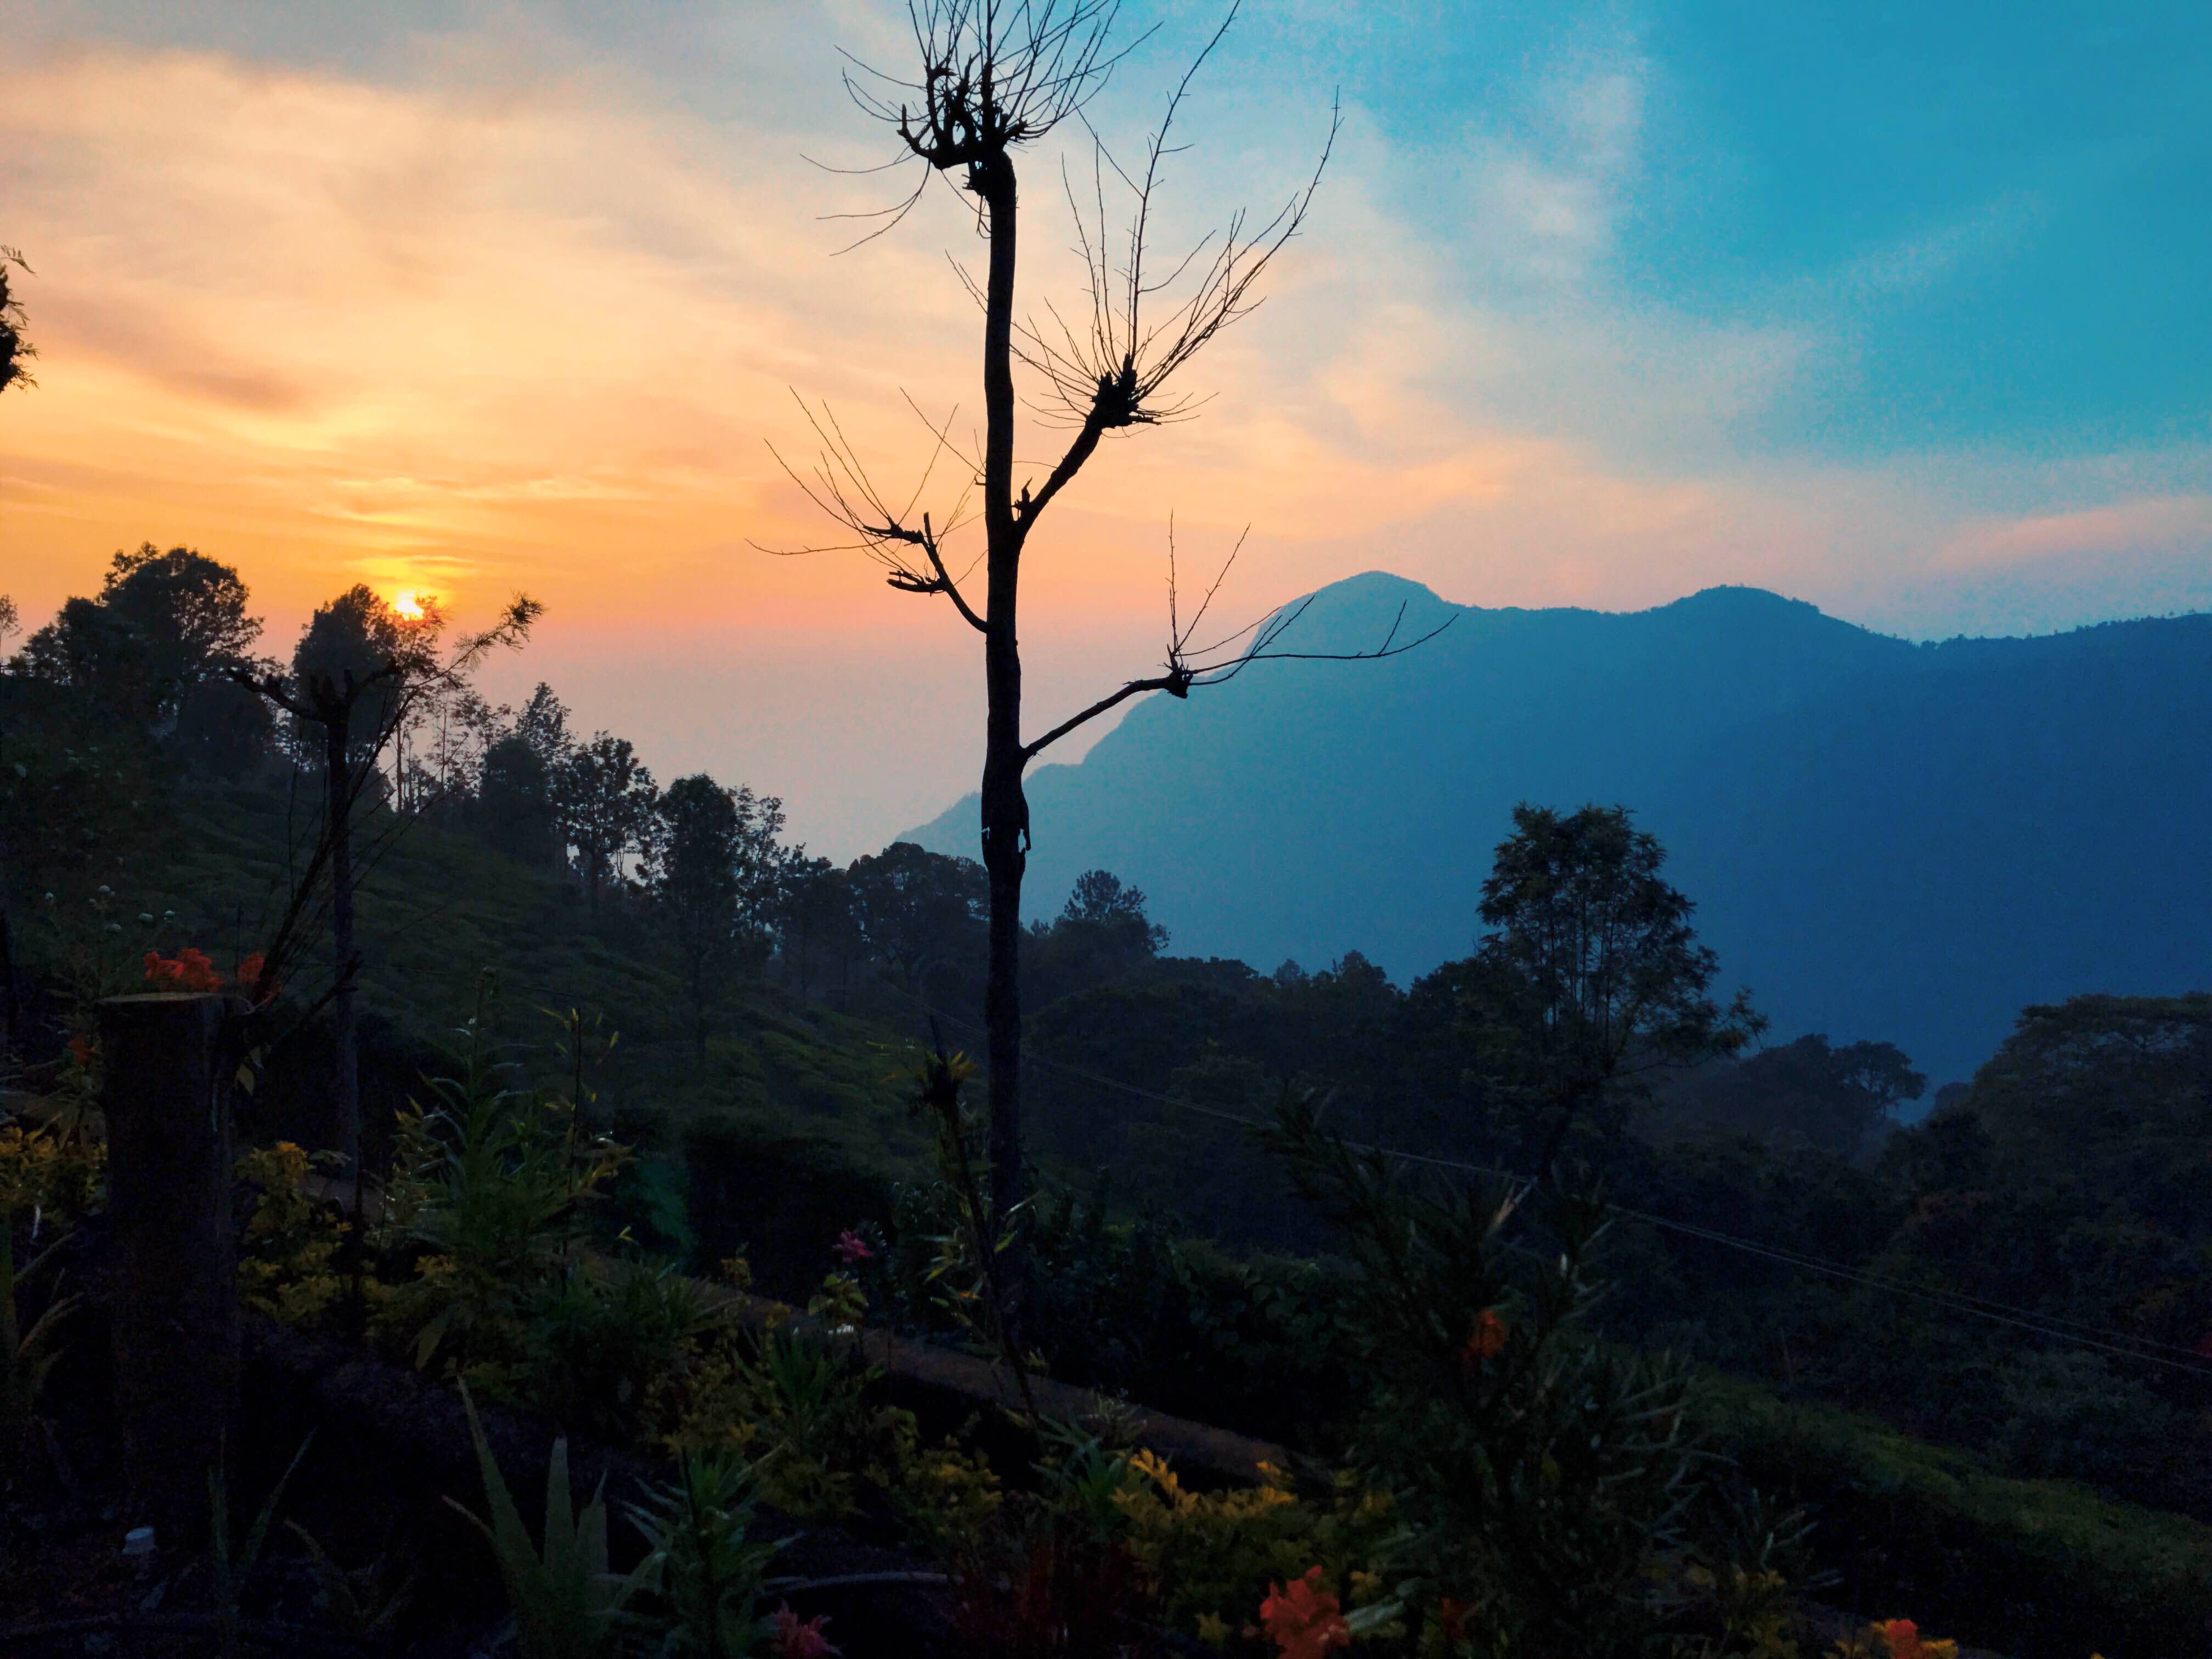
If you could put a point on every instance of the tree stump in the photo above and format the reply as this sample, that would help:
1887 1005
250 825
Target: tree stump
169 1069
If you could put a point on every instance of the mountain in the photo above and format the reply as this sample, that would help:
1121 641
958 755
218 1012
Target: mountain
1885 839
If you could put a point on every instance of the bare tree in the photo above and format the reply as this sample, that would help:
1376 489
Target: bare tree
996 76
356 709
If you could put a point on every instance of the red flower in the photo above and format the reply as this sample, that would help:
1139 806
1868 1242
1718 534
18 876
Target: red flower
1903 1637
797 1639
1486 1342
852 1248
81 1049
1304 1618
189 970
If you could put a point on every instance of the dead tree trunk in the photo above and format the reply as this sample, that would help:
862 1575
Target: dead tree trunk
1006 806
169 1063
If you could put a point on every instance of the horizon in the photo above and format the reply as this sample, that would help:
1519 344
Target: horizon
1599 307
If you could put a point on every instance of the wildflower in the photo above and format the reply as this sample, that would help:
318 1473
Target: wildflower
1303 1618
80 1050
1214 1629
1487 1340
852 1248
797 1639
1903 1638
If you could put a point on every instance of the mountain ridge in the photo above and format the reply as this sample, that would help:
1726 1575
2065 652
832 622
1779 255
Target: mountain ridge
1887 838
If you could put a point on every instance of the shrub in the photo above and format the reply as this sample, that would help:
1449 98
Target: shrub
1539 1475
287 1260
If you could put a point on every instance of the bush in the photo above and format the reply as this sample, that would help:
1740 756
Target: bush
2043 1568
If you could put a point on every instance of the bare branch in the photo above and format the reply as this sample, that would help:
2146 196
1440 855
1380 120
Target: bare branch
1186 667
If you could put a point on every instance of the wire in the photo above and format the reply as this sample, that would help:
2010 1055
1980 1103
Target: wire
2052 1327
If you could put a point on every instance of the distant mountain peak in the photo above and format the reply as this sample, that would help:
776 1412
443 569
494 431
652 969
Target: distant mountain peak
1886 841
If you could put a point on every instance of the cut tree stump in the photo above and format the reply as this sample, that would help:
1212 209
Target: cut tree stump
168 1067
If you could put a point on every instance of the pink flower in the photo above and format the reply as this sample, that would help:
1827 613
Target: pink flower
852 1248
798 1638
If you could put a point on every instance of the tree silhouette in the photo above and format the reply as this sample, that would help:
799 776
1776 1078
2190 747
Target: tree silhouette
602 800
992 78
162 625
917 908
1592 976
691 872
357 674
15 350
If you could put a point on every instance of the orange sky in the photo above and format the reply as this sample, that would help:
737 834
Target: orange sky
440 331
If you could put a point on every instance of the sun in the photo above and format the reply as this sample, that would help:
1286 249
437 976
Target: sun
410 606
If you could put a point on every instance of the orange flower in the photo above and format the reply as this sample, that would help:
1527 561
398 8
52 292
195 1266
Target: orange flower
1487 1341
1304 1619
189 970
81 1049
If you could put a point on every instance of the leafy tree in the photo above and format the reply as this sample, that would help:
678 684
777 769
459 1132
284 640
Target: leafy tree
15 350
692 874
603 801
1101 933
919 910
818 921
1591 977
514 802
163 623
223 728
543 724
1834 1097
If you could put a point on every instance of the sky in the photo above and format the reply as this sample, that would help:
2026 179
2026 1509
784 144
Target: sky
1899 309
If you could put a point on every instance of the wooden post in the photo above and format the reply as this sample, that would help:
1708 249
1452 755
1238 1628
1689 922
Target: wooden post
169 1069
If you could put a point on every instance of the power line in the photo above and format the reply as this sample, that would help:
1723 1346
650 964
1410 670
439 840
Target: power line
2052 1327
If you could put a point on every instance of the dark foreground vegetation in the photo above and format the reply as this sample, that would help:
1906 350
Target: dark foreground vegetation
1664 1339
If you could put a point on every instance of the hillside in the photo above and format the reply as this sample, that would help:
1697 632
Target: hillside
1885 839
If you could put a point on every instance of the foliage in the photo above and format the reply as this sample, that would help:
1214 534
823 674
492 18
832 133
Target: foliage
605 1342
42 1173
15 350
490 1182
1539 1474
1205 1556
700 1584
796 1404
1591 975
2029 1566
233 1562
603 804
288 1254
564 1600
714 868
918 910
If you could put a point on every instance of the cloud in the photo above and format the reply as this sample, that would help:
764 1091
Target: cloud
2164 524
428 312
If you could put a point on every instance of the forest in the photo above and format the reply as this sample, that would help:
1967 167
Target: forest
1581 1315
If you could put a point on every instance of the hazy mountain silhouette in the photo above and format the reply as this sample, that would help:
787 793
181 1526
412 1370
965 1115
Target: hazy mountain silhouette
1885 839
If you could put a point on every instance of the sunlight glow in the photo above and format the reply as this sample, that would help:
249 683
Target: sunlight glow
411 605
